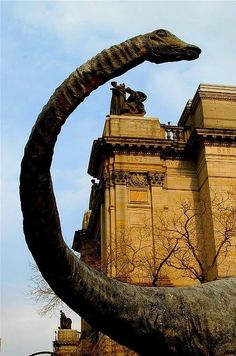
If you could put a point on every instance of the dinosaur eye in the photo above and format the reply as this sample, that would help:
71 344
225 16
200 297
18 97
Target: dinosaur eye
161 33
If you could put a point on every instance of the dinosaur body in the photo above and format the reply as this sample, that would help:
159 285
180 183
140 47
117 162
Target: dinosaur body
169 321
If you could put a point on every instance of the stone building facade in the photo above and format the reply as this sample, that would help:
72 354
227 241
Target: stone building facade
67 342
156 184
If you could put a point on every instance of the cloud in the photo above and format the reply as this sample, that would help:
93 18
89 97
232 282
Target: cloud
95 24
83 28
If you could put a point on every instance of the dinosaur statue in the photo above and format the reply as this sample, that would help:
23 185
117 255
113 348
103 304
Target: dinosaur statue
166 321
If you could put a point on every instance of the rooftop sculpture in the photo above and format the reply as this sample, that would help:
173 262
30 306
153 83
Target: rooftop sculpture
167 321
65 323
121 105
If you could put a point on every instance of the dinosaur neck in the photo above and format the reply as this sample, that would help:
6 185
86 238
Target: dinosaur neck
57 263
106 65
38 203
98 299
139 318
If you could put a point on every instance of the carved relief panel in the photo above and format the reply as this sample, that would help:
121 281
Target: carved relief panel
138 179
156 178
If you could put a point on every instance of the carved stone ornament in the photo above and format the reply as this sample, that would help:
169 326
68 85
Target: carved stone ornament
156 178
105 180
137 179
119 177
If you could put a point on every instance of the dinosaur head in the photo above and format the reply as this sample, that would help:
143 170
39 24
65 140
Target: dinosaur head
163 46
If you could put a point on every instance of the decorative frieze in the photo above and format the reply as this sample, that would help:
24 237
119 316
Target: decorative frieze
105 180
156 178
119 177
135 179
137 149
221 138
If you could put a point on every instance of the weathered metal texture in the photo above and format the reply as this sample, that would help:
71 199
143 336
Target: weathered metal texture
196 321
120 105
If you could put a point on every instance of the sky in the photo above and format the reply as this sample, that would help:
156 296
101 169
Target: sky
42 43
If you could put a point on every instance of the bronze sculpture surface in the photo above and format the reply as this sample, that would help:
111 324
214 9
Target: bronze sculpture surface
65 323
121 105
167 321
134 103
118 98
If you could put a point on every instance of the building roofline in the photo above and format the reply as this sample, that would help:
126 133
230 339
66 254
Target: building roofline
207 91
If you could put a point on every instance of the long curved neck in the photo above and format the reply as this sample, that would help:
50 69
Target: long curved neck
59 266
136 317
35 177
101 68
104 66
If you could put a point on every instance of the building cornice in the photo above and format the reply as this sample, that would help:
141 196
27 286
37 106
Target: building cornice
108 146
213 92
210 137
79 237
210 92
165 148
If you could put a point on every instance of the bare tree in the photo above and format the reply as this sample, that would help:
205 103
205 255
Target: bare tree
127 257
42 293
179 245
190 251
136 259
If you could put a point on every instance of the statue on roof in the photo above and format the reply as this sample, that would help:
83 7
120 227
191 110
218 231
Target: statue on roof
118 98
133 105
65 323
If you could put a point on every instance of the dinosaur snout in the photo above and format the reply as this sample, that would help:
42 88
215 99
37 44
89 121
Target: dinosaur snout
193 52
